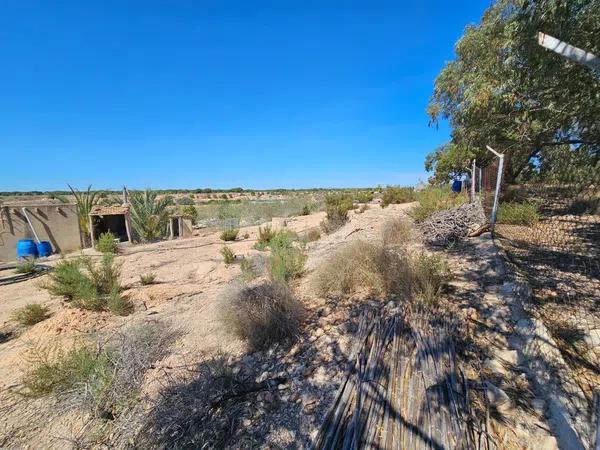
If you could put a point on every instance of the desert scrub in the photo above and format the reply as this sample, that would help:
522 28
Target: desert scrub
265 234
362 208
364 196
287 259
229 235
396 195
248 273
371 269
103 378
262 315
30 314
512 213
396 232
337 206
147 279
26 266
312 235
434 199
228 255
89 285
106 243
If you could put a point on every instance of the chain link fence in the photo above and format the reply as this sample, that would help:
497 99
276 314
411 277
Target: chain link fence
549 227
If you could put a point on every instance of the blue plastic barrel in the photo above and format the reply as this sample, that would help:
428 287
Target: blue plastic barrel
26 248
44 248
456 186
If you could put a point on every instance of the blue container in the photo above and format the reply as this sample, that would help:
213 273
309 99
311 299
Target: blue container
456 186
26 248
44 248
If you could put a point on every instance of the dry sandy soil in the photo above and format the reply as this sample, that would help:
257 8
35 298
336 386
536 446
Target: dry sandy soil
190 275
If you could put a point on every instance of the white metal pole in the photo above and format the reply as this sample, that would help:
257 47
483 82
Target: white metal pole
568 51
473 180
498 182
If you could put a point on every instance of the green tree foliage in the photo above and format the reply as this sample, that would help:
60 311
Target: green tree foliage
85 201
149 215
505 90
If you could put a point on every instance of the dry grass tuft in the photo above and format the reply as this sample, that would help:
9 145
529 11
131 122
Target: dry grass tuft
229 235
375 270
26 266
228 255
262 315
147 279
397 232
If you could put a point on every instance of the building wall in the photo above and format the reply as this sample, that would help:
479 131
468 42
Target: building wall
58 224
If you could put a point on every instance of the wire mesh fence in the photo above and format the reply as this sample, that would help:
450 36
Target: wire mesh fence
549 227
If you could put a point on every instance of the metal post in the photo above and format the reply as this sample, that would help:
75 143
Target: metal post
497 193
473 180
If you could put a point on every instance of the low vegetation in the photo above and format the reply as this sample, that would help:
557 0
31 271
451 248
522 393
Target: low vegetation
397 232
262 315
104 378
370 269
26 266
337 206
229 235
513 213
30 314
364 196
312 235
395 195
89 285
147 279
85 200
434 199
106 243
265 234
287 259
228 255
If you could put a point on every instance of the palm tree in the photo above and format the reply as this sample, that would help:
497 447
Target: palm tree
85 201
149 216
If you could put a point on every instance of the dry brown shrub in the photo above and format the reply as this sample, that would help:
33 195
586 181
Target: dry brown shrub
397 232
263 314
372 269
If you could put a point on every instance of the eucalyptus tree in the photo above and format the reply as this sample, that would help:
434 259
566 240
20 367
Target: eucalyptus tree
505 90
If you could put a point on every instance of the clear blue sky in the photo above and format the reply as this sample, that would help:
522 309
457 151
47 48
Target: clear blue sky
192 94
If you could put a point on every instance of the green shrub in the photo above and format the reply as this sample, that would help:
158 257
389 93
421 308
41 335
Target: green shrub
192 212
512 213
106 243
147 278
434 199
30 314
149 215
228 255
337 206
65 371
26 266
86 284
305 210
286 260
229 235
264 237
364 196
262 315
117 304
396 195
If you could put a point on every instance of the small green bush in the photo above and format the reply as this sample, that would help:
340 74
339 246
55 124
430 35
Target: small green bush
26 266
434 199
87 284
286 260
512 213
228 255
264 237
117 304
262 315
30 314
65 371
229 235
364 196
396 195
192 212
337 206
106 243
147 278
305 210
